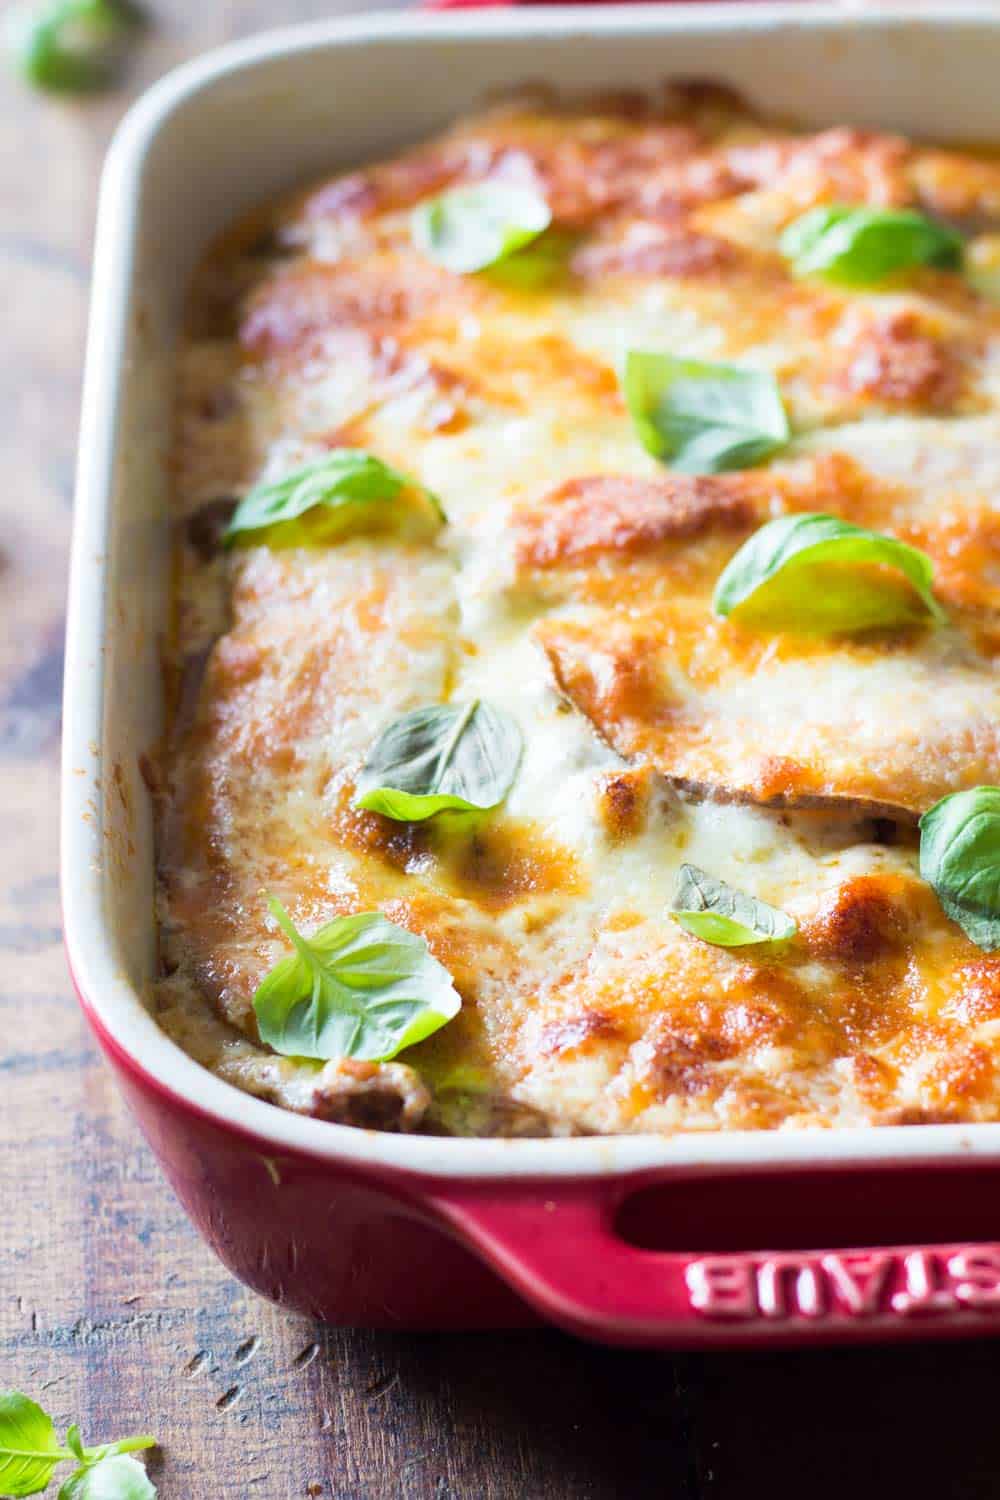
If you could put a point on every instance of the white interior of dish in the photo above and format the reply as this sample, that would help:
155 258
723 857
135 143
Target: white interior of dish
239 126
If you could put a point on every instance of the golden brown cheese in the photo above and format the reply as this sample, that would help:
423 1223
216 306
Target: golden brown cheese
889 723
572 587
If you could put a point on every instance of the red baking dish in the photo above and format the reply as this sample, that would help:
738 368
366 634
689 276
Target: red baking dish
739 1238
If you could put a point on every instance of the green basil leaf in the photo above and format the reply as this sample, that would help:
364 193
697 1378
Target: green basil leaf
815 573
712 910
960 859
359 987
470 228
539 265
113 1478
446 756
862 246
703 418
345 492
71 46
28 1448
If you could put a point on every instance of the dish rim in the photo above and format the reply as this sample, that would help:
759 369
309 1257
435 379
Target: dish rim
110 1000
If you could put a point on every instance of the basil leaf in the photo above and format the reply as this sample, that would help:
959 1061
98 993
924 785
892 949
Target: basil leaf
359 987
470 228
29 1453
113 1478
347 491
703 418
28 1448
862 246
713 911
446 756
539 265
960 859
71 46
815 573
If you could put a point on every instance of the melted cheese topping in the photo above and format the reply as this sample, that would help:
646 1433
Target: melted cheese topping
572 588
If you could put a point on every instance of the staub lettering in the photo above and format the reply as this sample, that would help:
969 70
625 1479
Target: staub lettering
852 1284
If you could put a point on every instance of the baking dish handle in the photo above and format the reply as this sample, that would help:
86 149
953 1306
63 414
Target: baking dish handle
559 1248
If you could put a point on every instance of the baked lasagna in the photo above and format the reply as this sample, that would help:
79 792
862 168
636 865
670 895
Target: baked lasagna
583 703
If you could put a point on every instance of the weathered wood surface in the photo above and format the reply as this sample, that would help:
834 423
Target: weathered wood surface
112 1312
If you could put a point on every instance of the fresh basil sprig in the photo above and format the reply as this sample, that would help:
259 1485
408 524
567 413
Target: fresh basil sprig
862 246
71 46
359 987
817 574
345 492
30 1453
471 228
718 913
113 1478
702 418
960 859
462 757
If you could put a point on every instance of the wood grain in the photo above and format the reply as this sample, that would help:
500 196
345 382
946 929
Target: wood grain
112 1312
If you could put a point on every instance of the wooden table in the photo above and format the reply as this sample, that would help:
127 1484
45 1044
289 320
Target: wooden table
112 1311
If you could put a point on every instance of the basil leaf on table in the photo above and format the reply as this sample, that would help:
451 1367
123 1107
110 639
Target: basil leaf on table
346 492
960 860
71 46
703 418
359 987
28 1448
113 1478
29 1453
815 573
862 246
718 913
461 757
471 228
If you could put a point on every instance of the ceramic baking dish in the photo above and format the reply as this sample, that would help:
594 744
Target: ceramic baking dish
713 1239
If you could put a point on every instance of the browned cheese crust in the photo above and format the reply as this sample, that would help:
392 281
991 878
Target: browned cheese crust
572 586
